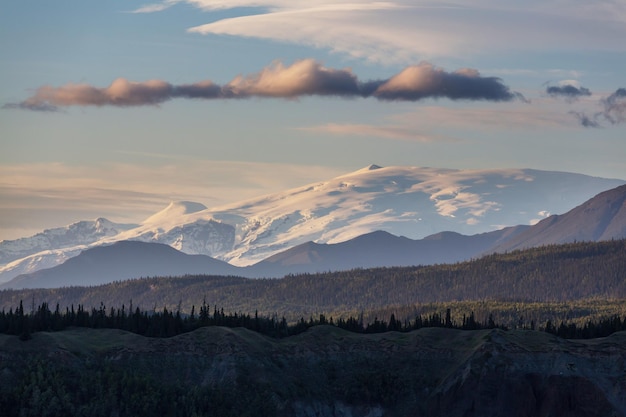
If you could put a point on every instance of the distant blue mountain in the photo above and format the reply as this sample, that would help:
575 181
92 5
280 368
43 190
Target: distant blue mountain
120 261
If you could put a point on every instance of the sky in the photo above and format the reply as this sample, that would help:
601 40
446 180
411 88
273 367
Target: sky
115 108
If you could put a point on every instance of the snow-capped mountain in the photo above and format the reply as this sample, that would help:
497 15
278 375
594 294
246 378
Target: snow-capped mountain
406 201
174 226
186 226
601 218
79 233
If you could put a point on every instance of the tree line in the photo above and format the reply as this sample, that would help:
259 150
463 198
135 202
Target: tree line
167 323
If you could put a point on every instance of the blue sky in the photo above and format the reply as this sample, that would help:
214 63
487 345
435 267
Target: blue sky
115 108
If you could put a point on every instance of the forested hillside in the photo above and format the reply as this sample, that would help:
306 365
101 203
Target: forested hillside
325 371
552 274
227 346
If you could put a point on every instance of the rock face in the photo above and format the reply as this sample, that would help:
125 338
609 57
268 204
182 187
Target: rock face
328 372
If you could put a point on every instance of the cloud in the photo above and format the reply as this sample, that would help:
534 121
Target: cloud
31 195
121 93
615 106
403 31
568 91
613 111
303 78
519 116
202 89
386 132
436 124
586 120
427 81
156 7
32 105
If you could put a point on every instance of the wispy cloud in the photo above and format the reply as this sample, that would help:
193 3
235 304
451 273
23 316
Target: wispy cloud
303 78
585 120
156 7
36 191
32 105
615 106
385 132
435 124
613 111
405 30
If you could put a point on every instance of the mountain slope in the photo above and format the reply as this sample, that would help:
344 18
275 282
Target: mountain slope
120 261
379 249
410 201
601 218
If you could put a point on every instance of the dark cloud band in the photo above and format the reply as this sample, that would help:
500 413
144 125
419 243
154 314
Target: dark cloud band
569 92
302 78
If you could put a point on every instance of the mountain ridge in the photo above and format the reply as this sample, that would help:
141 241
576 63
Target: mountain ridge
590 221
416 202
600 218
119 261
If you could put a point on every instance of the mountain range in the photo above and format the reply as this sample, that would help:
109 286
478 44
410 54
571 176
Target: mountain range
601 218
414 202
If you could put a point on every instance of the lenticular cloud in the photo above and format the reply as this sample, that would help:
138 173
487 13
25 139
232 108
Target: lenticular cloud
303 78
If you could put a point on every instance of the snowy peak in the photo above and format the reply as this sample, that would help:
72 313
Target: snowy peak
174 211
186 226
365 170
80 233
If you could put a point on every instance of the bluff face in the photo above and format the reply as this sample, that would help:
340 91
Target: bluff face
330 372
